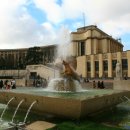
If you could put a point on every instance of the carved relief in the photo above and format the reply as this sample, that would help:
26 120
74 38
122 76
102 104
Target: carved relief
114 55
96 57
105 56
124 54
88 57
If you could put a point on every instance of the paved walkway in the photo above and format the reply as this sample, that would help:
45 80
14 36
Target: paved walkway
40 125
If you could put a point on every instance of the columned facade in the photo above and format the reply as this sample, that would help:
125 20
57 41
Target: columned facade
102 52
106 63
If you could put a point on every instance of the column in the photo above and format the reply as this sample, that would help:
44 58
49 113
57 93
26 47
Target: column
92 67
128 59
109 65
81 65
100 65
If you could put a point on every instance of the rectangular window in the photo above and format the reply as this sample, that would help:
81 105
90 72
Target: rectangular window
114 64
105 65
82 48
124 64
96 65
88 66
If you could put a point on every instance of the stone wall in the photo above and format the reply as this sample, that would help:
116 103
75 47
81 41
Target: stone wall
121 85
64 107
14 73
43 71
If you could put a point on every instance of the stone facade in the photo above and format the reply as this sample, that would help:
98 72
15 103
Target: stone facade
15 58
96 52
104 65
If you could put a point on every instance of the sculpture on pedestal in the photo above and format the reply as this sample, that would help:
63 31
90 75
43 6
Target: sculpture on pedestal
118 70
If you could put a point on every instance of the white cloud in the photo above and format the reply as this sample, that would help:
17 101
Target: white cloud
115 14
51 8
20 29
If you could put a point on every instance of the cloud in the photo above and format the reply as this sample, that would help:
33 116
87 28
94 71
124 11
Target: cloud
51 8
20 29
113 16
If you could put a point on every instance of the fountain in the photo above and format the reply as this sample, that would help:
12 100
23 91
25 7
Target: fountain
6 108
67 99
29 111
17 109
64 97
69 81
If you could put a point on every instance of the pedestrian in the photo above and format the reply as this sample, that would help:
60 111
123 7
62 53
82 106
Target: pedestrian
1 84
99 84
102 85
94 84
13 84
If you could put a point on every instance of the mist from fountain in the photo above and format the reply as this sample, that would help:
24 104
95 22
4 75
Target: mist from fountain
66 63
17 109
62 85
6 108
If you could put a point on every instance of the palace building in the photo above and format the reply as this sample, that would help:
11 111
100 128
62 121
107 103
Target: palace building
96 52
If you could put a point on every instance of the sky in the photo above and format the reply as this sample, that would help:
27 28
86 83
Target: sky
27 23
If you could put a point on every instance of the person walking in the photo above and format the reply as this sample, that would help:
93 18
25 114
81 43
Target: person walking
94 84
99 84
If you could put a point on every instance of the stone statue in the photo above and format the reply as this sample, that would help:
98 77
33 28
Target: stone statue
118 70
69 71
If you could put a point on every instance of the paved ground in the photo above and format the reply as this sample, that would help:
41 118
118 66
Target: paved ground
108 84
40 125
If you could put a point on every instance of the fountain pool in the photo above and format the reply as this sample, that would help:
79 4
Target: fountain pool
64 104
111 119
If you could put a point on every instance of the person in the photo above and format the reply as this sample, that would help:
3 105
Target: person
94 84
34 83
1 84
125 77
99 84
13 84
102 85
8 84
5 83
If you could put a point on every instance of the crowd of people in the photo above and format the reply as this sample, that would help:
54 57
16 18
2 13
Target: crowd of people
41 82
8 84
99 84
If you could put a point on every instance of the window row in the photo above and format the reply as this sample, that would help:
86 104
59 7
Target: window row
105 65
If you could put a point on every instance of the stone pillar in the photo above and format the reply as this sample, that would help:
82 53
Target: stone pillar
109 65
88 47
92 67
95 46
128 58
100 65
81 65
79 48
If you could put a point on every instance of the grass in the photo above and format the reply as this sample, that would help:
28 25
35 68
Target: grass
108 120
86 125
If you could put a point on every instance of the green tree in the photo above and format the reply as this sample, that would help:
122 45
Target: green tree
34 56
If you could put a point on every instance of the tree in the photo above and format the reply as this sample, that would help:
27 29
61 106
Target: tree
34 56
